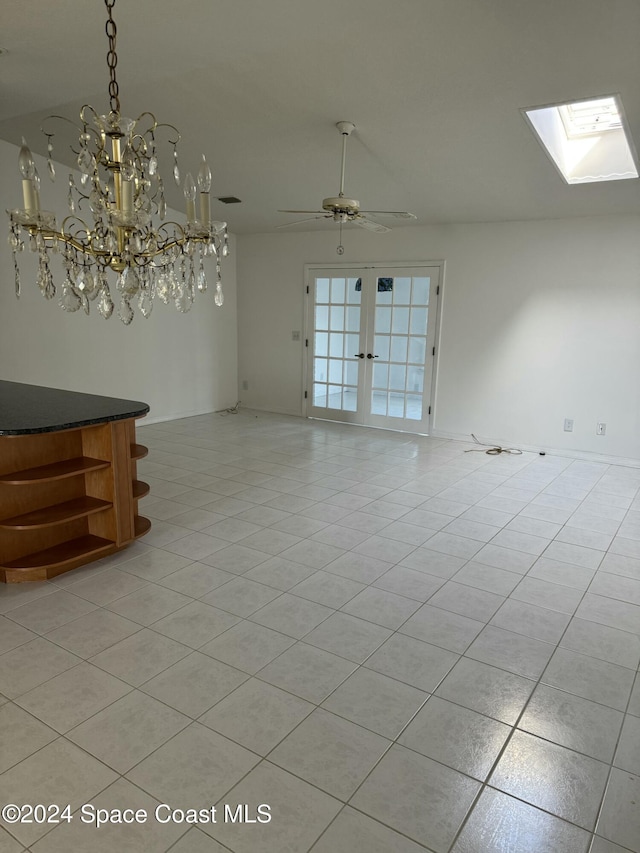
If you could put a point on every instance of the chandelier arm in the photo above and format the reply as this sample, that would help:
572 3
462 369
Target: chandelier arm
183 237
144 258
75 218
154 122
94 114
100 140
81 196
104 255
85 127
86 246
173 127
61 118
51 236
165 226
138 144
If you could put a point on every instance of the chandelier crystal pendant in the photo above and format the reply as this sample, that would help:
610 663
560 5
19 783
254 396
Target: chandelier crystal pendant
121 189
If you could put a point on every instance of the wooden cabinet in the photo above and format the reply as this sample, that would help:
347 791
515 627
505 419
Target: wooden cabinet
68 497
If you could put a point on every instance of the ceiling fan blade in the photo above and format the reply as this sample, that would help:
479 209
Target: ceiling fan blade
345 210
300 221
369 224
396 214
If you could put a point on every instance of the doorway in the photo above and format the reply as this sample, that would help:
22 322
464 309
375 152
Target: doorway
371 345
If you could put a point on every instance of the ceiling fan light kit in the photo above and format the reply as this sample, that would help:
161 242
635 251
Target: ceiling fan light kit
347 210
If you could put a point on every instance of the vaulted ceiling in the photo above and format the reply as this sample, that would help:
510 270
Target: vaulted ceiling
435 89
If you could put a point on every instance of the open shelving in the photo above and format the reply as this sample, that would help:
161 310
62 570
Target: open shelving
67 498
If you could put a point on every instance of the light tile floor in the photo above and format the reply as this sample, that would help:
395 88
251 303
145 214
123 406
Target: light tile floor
397 645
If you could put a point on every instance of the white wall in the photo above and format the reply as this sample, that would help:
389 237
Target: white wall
180 364
540 322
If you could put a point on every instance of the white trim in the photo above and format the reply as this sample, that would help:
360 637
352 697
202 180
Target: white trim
273 410
371 426
309 267
372 266
177 416
582 455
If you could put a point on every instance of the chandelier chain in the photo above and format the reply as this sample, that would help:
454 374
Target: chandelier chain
112 58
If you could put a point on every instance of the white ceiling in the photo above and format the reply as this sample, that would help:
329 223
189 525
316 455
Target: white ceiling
435 89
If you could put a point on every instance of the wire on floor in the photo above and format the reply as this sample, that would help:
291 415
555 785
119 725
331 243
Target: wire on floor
232 411
494 450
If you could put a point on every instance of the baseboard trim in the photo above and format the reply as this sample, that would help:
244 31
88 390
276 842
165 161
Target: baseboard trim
178 416
582 455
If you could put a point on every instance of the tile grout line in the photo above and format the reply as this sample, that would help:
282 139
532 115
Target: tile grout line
485 784
444 462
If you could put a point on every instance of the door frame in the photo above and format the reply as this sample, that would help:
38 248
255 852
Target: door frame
312 269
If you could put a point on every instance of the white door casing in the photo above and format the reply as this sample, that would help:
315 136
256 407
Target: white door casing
371 344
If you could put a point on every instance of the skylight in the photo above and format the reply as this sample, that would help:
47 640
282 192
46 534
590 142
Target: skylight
587 140
587 117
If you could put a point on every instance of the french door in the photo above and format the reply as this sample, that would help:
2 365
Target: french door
371 345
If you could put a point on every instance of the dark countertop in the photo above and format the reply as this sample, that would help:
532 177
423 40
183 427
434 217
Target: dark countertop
28 409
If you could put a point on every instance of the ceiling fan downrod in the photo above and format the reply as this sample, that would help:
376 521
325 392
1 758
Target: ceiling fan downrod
346 128
347 210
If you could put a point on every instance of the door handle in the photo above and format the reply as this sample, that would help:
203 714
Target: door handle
371 356
359 355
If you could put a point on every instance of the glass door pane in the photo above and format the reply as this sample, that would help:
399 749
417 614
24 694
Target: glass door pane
335 344
371 347
398 396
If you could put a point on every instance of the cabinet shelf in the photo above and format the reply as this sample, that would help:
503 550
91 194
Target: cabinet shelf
58 514
140 489
68 497
141 526
54 560
55 471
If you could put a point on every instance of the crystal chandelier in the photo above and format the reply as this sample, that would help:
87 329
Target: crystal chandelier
120 186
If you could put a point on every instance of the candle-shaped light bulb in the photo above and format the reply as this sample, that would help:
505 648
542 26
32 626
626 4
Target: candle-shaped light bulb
190 197
35 182
25 162
204 176
204 185
29 186
189 187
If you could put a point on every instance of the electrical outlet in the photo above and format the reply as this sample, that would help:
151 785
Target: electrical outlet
568 424
245 385
601 429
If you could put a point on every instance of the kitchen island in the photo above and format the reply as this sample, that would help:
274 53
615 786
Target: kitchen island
69 490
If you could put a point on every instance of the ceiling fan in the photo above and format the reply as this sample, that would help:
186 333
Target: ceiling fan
343 210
